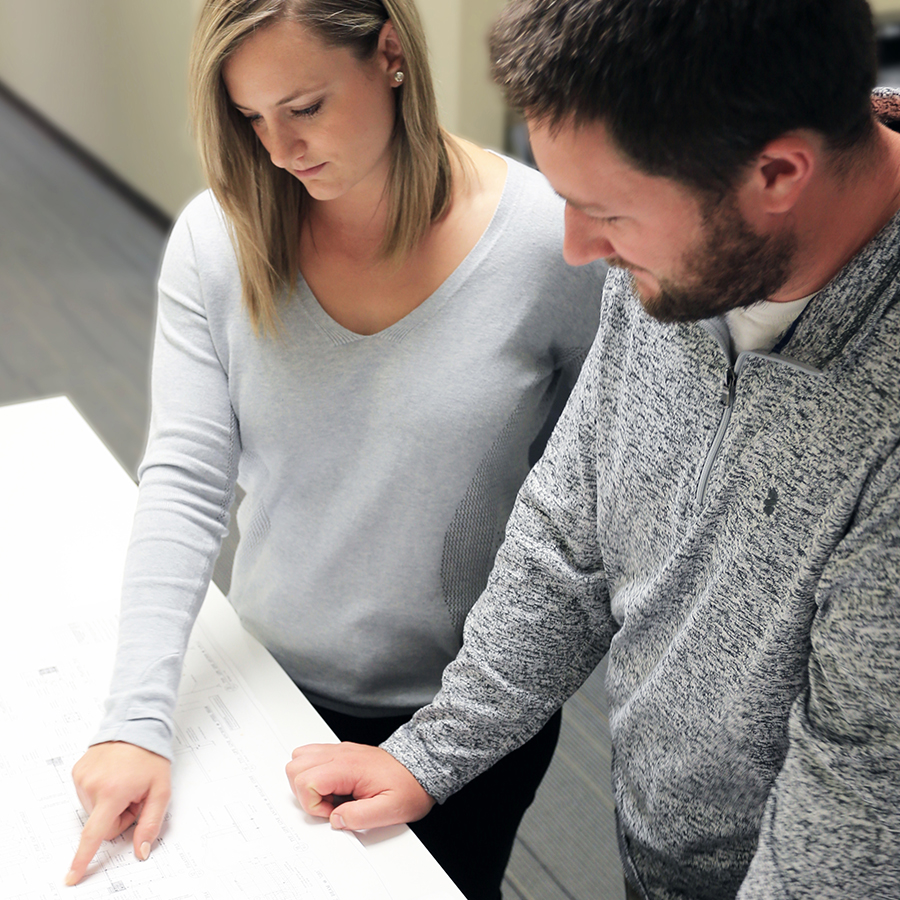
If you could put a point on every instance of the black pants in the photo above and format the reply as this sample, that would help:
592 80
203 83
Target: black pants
471 835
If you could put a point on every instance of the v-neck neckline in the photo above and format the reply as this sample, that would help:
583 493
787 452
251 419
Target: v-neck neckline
396 332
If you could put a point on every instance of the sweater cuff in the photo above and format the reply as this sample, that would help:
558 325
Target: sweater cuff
409 750
151 734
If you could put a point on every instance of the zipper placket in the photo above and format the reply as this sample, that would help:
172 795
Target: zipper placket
727 399
728 394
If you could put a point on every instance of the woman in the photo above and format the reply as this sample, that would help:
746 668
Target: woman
367 323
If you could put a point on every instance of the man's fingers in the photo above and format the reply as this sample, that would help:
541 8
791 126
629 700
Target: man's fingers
150 820
383 791
385 809
326 792
317 788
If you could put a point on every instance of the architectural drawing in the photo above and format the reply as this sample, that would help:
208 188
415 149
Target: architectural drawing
233 830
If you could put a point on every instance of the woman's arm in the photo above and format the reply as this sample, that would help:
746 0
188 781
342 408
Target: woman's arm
187 482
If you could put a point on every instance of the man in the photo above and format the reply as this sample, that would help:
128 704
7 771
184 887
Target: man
719 507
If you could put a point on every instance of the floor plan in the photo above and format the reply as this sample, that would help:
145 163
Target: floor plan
233 830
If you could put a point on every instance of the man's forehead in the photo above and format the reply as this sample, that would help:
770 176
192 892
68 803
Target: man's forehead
586 168
576 140
578 159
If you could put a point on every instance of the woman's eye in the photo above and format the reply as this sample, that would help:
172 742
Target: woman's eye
308 112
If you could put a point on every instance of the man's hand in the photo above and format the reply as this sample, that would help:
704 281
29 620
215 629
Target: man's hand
384 792
119 784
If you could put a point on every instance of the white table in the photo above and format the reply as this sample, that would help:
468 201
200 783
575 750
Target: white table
233 828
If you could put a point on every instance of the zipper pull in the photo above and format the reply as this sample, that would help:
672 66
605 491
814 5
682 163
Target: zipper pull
727 396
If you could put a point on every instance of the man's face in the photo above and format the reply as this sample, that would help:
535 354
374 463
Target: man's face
689 258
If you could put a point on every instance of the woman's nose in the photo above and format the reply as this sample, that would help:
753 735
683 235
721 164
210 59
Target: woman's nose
283 146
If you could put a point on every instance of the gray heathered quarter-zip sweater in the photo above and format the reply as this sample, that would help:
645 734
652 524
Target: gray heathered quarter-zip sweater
729 532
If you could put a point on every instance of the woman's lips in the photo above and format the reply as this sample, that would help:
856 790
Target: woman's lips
306 173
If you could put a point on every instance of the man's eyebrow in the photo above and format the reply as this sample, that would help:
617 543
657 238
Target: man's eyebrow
593 207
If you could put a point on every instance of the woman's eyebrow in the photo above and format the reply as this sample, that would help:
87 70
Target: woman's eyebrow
291 98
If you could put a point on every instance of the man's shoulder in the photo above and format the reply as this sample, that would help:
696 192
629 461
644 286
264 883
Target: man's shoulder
886 106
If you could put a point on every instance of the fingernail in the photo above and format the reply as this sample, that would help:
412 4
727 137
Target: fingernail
71 878
337 821
145 850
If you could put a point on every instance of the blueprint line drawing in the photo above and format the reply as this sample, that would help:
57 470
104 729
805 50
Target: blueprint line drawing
232 832
233 829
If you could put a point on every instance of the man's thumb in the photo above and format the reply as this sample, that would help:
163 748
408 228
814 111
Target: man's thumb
375 812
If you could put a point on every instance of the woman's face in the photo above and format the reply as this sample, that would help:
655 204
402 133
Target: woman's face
321 114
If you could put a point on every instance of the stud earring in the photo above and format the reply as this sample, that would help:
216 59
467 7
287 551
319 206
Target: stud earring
399 77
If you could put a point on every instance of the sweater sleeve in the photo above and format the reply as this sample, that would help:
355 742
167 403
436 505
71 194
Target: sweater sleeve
539 629
187 481
831 828
582 329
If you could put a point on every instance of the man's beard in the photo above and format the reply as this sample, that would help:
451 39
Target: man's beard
734 267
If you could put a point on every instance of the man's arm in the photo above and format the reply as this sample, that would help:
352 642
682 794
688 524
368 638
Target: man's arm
831 828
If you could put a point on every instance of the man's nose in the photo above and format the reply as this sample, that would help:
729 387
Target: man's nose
585 239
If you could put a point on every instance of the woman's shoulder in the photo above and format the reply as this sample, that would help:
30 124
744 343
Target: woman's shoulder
200 246
492 173
202 214
531 202
201 229
530 181
534 227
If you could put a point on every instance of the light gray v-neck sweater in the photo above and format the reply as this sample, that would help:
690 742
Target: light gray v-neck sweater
379 471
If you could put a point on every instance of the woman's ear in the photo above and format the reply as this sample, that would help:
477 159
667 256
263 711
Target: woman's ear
390 50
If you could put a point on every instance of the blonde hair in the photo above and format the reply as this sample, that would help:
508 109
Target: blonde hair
265 205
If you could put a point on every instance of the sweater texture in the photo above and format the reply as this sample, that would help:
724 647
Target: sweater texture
727 530
379 470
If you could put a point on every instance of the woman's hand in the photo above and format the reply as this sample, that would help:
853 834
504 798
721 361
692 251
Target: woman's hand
384 791
119 784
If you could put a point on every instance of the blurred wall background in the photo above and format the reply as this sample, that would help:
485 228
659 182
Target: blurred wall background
111 75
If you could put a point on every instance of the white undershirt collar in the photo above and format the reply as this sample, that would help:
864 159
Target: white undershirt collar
759 327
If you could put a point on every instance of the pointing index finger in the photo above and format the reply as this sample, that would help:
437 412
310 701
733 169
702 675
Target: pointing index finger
98 825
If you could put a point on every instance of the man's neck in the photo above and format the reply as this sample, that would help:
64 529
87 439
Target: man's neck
842 213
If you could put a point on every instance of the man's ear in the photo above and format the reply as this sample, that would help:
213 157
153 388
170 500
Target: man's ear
780 174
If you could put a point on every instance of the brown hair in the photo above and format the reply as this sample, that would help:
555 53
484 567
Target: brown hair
692 89
265 205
